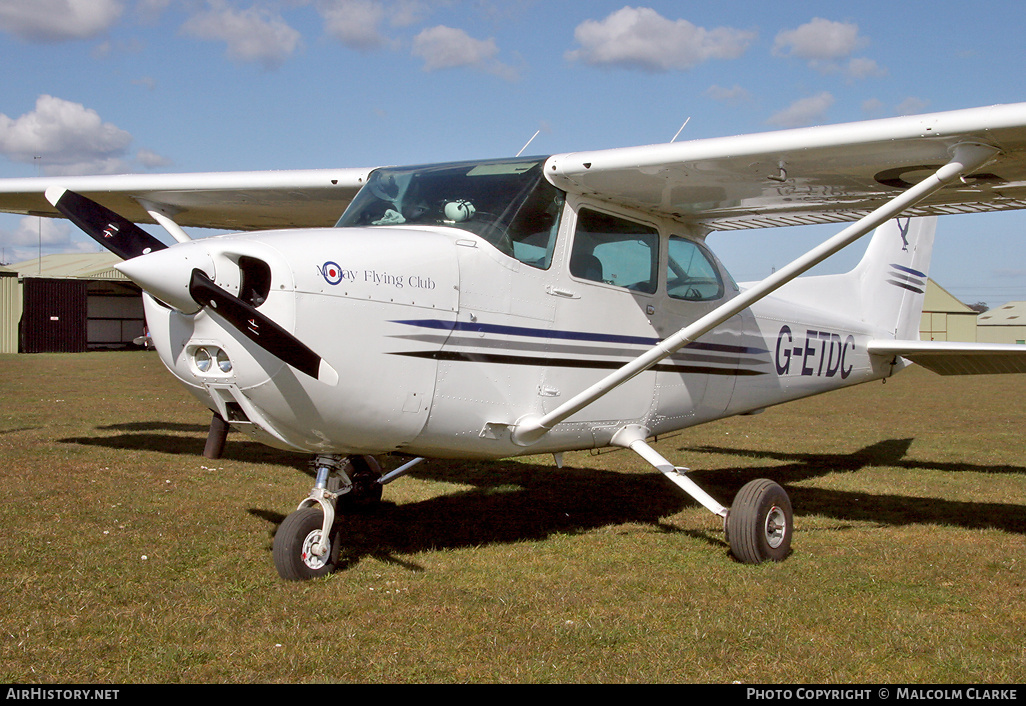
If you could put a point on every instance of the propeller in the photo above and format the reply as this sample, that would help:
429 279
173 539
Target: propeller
119 235
161 275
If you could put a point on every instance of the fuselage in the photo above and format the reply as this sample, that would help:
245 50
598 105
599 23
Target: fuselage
445 332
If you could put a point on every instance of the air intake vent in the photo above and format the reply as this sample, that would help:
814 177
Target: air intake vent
255 282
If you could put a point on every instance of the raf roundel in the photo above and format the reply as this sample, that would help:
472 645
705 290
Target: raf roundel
332 272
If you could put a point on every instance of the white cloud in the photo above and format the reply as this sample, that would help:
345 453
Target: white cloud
252 35
641 38
355 23
735 95
805 111
819 40
872 106
824 45
151 160
67 137
863 68
151 10
359 24
444 47
58 20
31 232
912 106
29 235
406 13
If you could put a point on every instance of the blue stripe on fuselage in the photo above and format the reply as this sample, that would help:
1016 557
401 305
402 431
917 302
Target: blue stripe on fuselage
478 327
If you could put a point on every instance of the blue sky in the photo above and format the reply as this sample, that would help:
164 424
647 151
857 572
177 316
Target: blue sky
103 86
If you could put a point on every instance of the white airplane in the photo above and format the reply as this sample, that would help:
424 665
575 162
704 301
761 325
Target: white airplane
488 309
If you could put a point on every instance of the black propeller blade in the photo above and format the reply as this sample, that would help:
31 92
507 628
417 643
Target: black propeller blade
259 329
119 235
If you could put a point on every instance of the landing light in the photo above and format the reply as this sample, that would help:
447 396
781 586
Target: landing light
202 359
205 358
223 362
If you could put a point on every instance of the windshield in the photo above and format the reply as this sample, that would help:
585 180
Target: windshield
507 202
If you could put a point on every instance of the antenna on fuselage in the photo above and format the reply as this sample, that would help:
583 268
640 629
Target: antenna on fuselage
681 129
528 142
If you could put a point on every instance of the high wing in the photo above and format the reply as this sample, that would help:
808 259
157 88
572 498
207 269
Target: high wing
824 174
833 173
956 358
226 200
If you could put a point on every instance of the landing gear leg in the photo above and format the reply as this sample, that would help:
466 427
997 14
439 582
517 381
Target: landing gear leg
306 544
758 525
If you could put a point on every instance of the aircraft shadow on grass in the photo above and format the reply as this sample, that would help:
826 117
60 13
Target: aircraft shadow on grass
510 501
894 510
183 439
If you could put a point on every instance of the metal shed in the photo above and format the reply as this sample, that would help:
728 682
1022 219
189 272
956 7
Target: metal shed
1004 324
945 318
10 310
77 302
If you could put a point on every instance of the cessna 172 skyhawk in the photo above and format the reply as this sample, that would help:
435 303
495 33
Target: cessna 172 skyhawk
490 309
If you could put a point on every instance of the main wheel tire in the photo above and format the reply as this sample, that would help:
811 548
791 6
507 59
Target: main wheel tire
760 523
293 542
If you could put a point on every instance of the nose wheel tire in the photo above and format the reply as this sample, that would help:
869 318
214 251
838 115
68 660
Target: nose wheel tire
294 542
759 523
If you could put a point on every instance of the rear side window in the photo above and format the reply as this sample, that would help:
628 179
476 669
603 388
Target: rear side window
615 251
691 273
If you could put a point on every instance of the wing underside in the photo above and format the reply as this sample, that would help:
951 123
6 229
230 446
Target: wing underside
826 174
227 200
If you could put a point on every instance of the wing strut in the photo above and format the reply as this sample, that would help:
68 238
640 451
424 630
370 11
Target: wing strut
633 437
966 158
162 214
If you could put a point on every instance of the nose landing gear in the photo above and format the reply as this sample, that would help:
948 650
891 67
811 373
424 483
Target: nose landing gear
308 544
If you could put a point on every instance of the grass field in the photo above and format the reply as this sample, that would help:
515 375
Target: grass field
128 557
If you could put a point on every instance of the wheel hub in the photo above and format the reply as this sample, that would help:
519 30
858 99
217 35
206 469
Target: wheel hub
310 557
775 526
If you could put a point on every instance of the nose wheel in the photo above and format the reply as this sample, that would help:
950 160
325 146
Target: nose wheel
307 544
300 550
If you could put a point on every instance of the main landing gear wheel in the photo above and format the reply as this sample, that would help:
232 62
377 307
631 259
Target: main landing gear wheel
294 557
759 523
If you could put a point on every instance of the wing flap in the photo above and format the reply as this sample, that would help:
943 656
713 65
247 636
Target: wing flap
806 176
225 200
956 358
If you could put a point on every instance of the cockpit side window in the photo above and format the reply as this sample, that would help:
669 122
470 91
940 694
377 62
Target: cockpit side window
507 202
691 273
615 251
